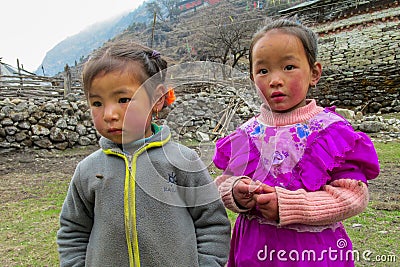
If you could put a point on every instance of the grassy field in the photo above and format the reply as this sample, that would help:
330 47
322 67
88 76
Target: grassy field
28 226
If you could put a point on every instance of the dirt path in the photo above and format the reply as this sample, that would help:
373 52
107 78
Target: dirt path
24 164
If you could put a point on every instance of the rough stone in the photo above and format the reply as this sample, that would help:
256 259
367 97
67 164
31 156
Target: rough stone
57 135
40 130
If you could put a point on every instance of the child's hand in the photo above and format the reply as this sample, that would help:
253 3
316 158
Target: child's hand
244 192
267 202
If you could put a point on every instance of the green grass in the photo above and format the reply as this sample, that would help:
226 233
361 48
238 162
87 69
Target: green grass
28 227
376 231
391 116
388 152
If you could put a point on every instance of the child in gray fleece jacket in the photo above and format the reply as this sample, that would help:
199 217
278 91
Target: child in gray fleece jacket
140 200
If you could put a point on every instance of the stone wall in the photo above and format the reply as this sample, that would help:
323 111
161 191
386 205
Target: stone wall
45 123
330 10
202 112
361 63
207 112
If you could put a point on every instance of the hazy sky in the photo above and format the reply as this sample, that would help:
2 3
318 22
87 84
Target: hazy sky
30 28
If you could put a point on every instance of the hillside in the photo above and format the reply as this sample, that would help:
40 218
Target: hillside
74 48
183 40
178 39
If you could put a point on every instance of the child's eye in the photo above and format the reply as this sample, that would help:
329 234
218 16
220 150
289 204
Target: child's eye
263 71
289 67
124 100
96 104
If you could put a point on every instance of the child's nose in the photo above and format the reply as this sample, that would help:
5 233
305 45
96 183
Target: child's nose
276 79
111 113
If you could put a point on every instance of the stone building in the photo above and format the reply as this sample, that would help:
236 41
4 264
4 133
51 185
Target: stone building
359 50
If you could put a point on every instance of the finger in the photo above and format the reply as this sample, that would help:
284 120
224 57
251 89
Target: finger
247 203
251 203
255 187
267 188
263 199
251 182
247 181
241 187
265 211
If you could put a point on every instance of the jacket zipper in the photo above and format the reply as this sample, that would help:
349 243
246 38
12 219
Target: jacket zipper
129 198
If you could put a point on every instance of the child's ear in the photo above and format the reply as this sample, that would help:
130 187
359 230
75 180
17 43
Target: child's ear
316 73
159 97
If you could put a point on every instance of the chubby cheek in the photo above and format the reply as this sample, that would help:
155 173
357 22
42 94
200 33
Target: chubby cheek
298 87
294 86
137 123
261 89
97 119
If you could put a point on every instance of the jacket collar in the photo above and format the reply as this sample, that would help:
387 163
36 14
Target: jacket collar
163 133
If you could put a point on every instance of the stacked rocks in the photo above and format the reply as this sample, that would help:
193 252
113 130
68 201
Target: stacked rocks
45 123
199 114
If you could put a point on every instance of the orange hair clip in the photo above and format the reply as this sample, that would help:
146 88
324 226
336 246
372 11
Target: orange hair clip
170 96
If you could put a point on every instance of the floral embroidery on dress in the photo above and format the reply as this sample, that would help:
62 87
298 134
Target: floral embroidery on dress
279 157
281 148
300 132
316 125
259 129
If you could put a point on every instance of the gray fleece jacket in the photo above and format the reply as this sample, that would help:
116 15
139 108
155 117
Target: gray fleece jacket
153 206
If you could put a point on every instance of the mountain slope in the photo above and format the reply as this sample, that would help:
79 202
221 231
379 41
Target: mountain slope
74 48
176 39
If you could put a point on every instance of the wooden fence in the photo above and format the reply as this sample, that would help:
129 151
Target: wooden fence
35 86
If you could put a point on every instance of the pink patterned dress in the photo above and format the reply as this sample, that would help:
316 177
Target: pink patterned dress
305 149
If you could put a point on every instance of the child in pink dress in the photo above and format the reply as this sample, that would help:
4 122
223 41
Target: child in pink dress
296 170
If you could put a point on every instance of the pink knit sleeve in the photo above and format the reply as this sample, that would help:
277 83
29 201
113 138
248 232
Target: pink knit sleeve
337 201
225 184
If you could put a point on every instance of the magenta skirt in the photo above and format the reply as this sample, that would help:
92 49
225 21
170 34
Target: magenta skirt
255 244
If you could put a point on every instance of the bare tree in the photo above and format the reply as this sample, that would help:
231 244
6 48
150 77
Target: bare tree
164 9
225 35
171 8
154 8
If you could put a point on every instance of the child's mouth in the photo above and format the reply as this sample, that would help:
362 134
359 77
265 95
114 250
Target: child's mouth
114 131
278 96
